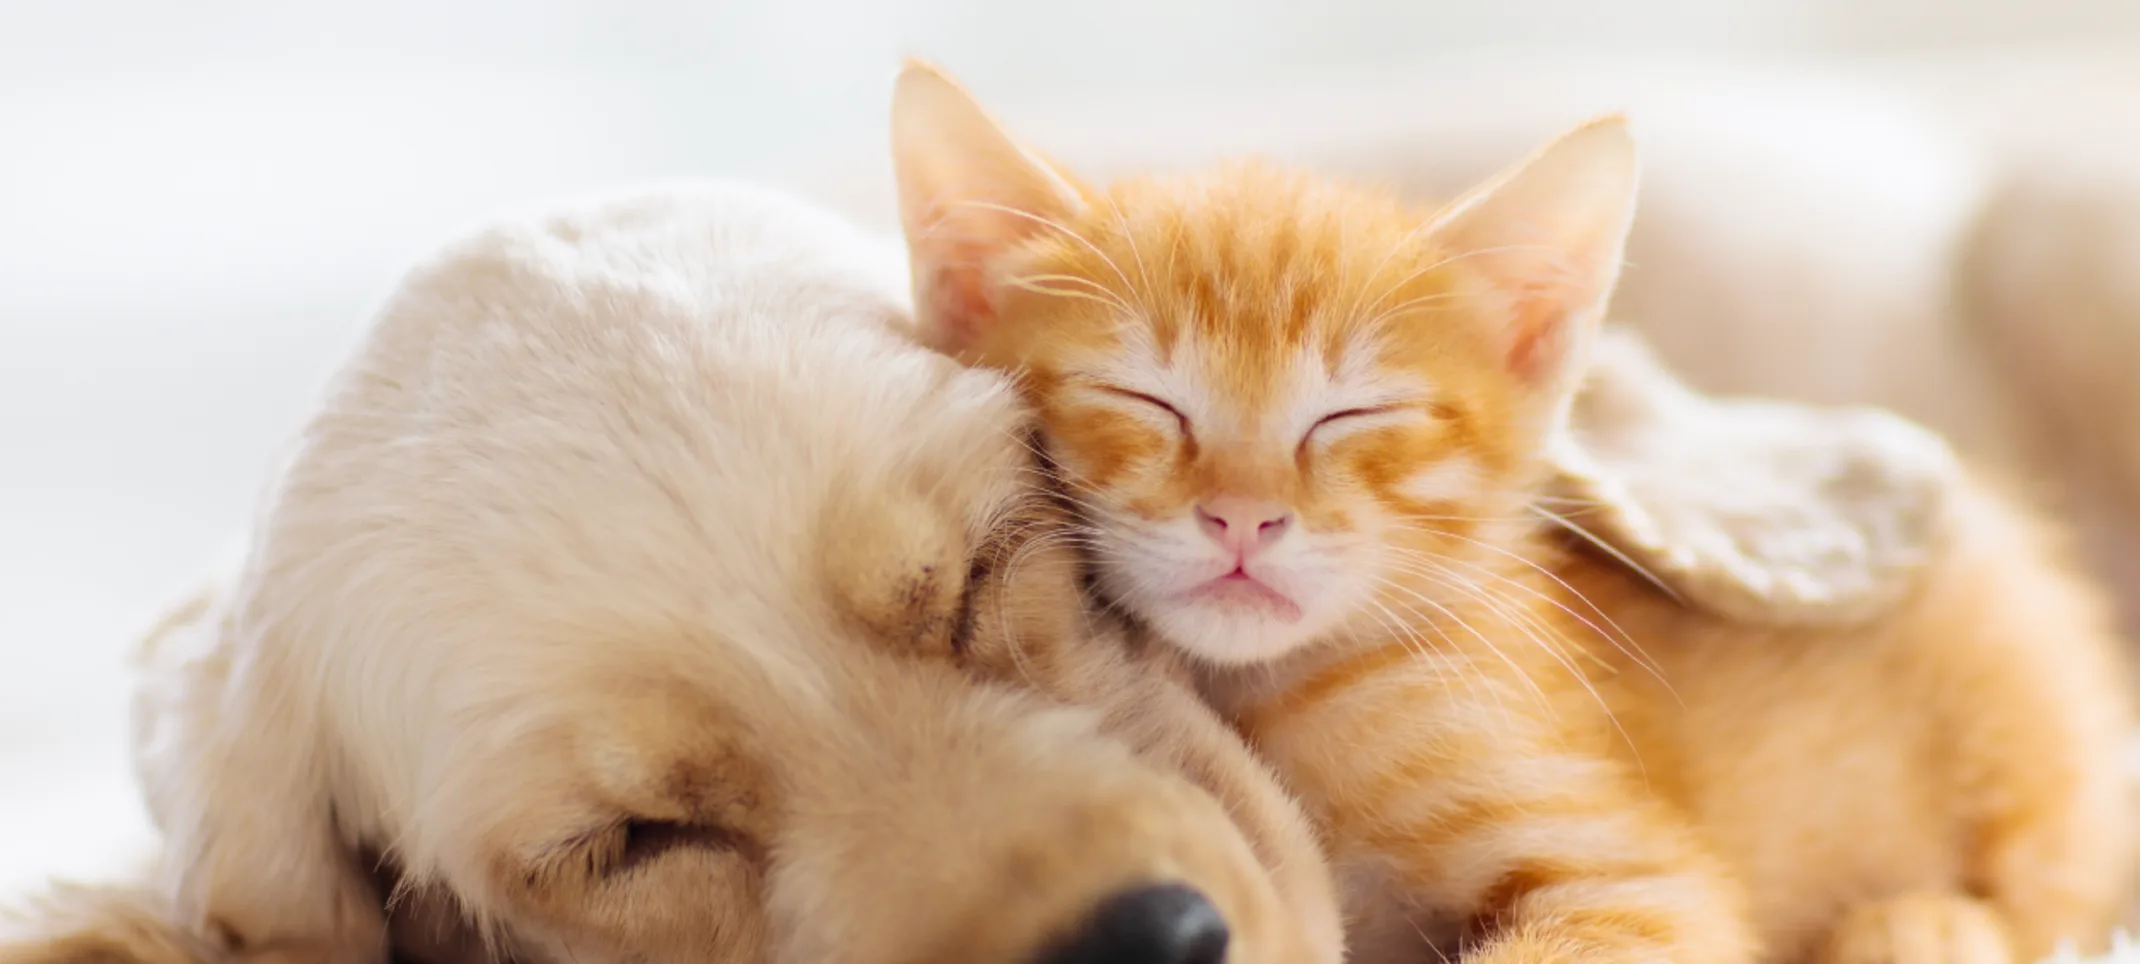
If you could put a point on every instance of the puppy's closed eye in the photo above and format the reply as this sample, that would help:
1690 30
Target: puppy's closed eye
638 842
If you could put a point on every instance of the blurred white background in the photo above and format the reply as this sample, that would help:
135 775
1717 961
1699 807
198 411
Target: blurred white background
200 200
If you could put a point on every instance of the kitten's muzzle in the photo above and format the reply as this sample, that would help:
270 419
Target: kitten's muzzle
1160 924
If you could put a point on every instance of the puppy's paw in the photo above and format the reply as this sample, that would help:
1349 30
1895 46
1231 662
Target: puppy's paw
1931 928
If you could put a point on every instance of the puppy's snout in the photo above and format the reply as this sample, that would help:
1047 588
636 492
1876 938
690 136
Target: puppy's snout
1163 924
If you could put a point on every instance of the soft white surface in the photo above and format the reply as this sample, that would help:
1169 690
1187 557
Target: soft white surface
2122 951
201 200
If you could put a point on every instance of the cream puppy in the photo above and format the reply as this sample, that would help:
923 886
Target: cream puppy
639 594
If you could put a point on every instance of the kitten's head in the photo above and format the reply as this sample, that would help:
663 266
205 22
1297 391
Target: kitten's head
1286 406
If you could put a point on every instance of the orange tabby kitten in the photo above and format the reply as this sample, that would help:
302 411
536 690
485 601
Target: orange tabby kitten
1304 424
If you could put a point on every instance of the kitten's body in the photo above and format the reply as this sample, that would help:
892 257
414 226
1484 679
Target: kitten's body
1858 785
1968 744
1473 787
1305 427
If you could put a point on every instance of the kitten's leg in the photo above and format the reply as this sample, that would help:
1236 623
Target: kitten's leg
2058 865
1492 803
2040 763
1927 928
1561 895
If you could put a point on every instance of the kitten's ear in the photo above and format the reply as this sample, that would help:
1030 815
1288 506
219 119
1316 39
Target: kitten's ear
968 194
1548 234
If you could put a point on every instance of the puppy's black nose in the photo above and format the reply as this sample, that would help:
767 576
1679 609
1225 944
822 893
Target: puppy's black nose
1163 924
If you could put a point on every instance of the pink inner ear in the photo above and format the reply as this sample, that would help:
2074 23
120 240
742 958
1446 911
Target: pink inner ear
958 301
1535 334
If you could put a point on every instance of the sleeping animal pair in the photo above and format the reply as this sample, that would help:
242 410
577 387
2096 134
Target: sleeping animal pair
1234 567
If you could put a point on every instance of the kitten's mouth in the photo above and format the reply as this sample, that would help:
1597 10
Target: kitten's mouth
1239 589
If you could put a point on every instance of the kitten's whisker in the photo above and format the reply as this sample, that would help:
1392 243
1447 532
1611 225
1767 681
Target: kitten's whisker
1483 639
1075 279
1136 257
1024 553
1059 227
1443 263
1380 266
1637 654
1032 285
1531 623
1407 631
1400 308
1603 546
1479 681
1493 249
1618 638
1411 517
1431 569
1540 634
1570 499
1059 479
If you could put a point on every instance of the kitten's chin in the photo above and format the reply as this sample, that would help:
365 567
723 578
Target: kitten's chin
1223 622
1240 594
1230 632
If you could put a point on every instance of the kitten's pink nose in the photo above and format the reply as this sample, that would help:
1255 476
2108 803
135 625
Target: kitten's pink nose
1243 525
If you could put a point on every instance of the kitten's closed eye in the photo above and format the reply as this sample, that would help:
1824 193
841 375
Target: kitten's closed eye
1348 420
1350 413
1180 420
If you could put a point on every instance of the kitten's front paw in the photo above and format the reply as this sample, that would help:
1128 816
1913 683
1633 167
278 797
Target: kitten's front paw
1928 928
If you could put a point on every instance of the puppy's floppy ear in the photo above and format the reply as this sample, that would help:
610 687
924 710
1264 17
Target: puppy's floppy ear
1767 512
116 924
235 774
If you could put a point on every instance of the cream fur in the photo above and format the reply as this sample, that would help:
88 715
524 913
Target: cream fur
641 512
1770 513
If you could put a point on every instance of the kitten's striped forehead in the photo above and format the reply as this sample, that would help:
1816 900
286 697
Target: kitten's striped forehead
1259 304
1289 388
1261 290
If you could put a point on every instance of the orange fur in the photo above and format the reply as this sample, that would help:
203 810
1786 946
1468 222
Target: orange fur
1457 698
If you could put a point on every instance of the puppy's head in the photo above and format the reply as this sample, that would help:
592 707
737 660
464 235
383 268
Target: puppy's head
640 596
